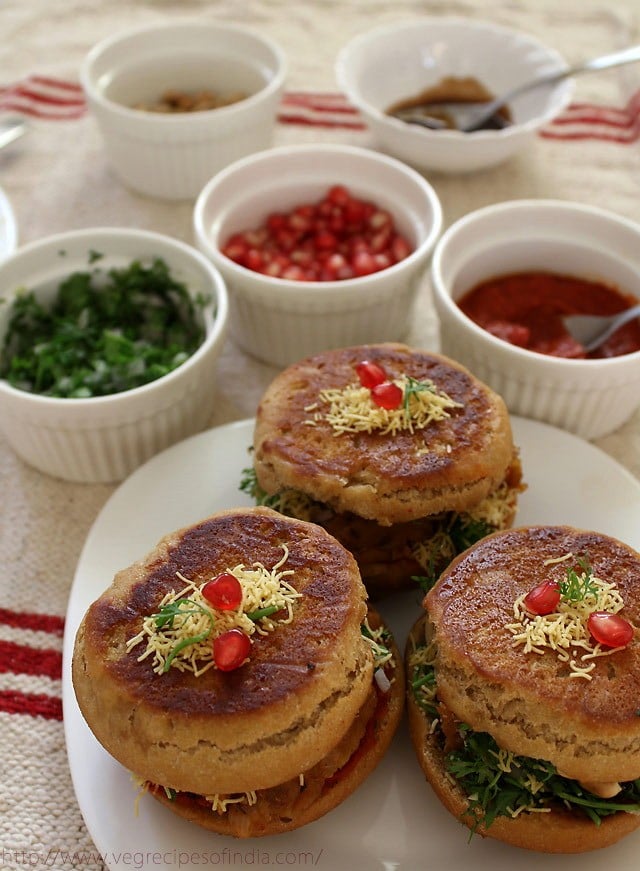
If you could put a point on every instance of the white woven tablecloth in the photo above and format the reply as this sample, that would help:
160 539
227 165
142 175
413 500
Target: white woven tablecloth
57 179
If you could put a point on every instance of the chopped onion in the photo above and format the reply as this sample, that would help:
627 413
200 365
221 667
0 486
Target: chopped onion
384 684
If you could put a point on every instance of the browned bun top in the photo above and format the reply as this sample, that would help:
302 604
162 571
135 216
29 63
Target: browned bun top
449 465
329 782
272 717
588 728
555 831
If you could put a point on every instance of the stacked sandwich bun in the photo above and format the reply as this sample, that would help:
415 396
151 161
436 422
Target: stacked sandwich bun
403 489
502 696
264 744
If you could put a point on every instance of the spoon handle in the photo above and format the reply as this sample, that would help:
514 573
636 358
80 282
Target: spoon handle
606 61
11 128
625 316
615 59
591 331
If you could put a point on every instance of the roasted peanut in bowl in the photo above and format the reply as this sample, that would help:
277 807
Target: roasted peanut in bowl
177 101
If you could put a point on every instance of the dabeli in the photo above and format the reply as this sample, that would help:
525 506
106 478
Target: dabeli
239 676
524 688
402 455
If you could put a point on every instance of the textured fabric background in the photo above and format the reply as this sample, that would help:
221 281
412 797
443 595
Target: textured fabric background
57 179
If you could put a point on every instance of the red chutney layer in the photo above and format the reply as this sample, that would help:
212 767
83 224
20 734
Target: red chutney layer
526 308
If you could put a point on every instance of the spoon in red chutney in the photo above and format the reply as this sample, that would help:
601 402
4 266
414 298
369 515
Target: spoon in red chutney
470 117
592 330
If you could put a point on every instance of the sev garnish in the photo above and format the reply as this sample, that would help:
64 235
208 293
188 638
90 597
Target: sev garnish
220 802
351 408
565 630
377 639
181 632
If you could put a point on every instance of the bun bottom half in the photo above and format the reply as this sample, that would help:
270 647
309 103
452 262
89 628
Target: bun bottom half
558 831
326 785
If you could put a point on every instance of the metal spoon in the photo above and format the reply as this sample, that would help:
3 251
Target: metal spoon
592 330
468 117
11 128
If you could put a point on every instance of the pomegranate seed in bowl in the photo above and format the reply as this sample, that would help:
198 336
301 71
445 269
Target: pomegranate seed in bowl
337 238
322 246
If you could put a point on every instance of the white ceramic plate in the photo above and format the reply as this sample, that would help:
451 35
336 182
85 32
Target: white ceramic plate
393 821
8 230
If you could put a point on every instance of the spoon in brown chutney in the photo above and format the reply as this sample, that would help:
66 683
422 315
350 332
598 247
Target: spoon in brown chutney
469 116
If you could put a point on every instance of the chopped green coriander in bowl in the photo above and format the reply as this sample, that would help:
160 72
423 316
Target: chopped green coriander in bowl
104 332
109 340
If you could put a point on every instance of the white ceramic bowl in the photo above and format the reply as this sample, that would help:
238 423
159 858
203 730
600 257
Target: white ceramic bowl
399 60
104 438
8 227
173 155
281 321
588 397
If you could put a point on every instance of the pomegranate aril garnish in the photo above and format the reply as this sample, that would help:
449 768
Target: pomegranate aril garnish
275 268
324 208
294 273
231 649
224 592
311 234
400 248
337 225
354 212
325 240
300 223
543 599
306 210
301 257
339 195
236 248
387 395
379 219
380 241
253 259
257 238
337 260
286 240
276 221
338 267
363 263
610 629
356 244
370 374
383 261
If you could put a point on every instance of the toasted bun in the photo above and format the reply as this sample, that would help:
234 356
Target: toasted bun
389 556
293 804
558 831
450 465
588 729
269 720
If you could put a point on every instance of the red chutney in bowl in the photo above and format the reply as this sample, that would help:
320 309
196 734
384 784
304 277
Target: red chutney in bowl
526 309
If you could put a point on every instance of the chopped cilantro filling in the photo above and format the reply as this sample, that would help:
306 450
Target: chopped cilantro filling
499 783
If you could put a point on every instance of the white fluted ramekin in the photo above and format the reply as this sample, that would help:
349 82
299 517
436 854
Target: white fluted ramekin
281 321
104 438
173 155
588 397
